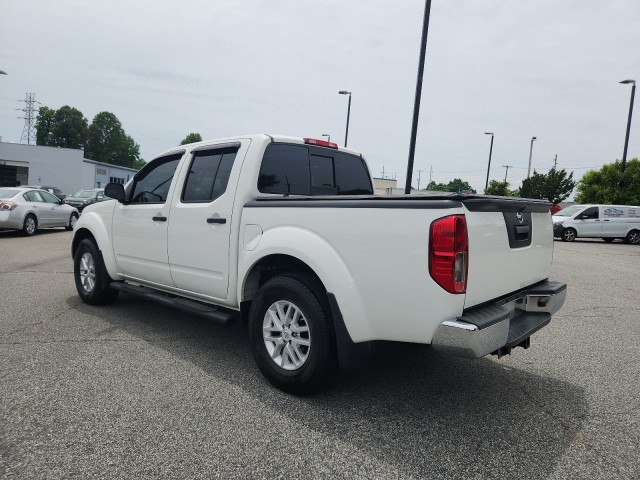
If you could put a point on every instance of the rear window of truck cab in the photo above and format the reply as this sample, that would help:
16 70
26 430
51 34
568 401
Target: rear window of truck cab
309 170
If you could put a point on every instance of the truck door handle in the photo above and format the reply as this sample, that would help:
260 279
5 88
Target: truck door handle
159 219
216 220
606 220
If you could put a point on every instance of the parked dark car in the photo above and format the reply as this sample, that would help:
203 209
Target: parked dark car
85 197
54 190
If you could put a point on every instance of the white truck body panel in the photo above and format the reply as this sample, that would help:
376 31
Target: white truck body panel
376 267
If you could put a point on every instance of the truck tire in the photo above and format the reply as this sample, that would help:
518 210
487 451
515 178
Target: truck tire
291 334
633 237
92 279
568 235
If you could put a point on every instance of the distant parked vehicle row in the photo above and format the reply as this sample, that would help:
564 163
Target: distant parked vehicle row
54 190
85 197
598 221
29 209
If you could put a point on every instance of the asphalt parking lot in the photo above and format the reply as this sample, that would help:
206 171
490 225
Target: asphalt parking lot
136 390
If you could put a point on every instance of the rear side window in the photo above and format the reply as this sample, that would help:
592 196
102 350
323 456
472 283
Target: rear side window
208 175
34 196
153 181
300 170
285 170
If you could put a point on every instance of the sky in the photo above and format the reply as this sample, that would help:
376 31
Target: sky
545 68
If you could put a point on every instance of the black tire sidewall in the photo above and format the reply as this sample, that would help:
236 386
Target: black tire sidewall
564 239
628 238
24 225
69 227
319 363
101 292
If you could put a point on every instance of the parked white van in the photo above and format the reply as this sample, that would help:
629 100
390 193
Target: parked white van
598 221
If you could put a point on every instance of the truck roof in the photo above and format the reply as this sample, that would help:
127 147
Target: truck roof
262 136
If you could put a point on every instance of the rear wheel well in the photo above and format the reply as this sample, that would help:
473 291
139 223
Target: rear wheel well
269 267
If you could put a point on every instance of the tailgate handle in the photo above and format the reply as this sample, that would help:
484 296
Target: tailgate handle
522 232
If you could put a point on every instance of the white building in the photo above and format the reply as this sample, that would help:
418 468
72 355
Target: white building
65 168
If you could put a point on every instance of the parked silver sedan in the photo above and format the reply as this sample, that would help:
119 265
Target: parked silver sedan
28 209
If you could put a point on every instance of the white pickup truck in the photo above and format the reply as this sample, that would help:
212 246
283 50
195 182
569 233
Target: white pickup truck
286 235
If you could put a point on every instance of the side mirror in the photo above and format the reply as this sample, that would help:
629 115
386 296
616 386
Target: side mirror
115 191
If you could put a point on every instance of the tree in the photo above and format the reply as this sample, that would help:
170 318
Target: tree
496 187
44 125
610 185
191 138
65 127
456 185
69 128
555 186
107 142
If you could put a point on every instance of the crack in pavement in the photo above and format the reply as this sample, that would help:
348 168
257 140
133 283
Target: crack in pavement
46 272
116 340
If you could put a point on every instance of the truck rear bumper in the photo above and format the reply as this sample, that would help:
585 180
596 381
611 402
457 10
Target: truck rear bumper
498 326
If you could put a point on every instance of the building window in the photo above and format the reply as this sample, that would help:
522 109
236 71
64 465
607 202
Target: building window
116 180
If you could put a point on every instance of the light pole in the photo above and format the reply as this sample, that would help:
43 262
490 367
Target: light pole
416 102
486 184
626 138
346 133
533 139
328 136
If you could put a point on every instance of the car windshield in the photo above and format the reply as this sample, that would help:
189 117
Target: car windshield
569 211
7 193
84 194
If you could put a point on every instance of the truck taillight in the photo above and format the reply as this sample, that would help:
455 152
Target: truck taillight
448 253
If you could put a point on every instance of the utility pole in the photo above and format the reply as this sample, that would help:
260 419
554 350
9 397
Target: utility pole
506 171
29 130
430 173
555 162
419 172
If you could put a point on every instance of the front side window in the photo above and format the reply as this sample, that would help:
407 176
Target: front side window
152 183
49 198
590 213
208 175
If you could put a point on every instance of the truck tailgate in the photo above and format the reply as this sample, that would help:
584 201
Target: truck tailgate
510 246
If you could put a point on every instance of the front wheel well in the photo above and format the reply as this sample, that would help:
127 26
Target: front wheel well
79 236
